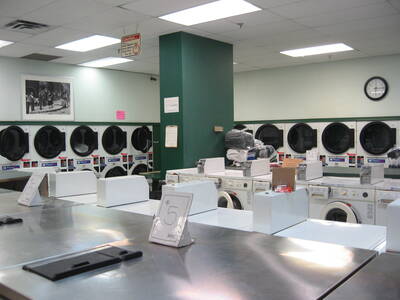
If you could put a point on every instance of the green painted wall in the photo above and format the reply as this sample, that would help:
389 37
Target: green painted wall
200 72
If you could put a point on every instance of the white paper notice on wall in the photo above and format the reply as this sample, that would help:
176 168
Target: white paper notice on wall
171 105
171 136
170 226
30 196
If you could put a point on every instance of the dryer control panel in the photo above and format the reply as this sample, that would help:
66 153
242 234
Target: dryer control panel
238 184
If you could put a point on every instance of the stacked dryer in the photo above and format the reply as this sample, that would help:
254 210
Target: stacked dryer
271 134
82 148
300 137
375 139
48 147
14 147
337 146
141 148
113 156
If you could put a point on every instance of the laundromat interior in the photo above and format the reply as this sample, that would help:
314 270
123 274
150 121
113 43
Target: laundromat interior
200 149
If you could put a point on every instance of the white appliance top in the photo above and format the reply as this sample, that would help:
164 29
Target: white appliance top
362 236
148 208
353 182
389 185
226 218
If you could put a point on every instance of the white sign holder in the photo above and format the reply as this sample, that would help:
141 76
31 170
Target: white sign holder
31 195
170 226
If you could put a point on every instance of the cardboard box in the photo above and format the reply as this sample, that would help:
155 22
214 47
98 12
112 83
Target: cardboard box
291 162
284 176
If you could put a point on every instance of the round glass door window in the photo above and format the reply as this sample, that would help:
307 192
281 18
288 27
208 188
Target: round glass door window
142 139
337 138
49 142
115 172
114 140
14 143
377 138
269 134
83 141
301 137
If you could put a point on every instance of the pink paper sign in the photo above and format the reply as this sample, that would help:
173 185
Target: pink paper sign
120 114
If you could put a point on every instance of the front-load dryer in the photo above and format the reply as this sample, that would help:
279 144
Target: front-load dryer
337 144
246 127
300 137
48 146
113 152
141 143
271 134
82 148
374 140
14 147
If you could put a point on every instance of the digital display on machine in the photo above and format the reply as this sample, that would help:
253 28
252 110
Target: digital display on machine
49 164
113 159
337 159
7 168
83 162
376 160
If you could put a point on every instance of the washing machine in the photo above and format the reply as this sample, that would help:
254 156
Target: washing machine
140 139
337 144
14 147
386 192
374 139
48 146
113 156
343 200
299 138
82 148
272 134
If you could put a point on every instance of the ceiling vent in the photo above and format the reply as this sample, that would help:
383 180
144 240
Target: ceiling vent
38 56
26 26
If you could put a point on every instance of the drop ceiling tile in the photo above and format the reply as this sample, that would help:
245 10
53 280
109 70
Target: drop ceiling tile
255 18
216 26
107 20
361 25
362 12
313 7
65 11
261 31
138 67
158 8
116 2
12 36
17 8
19 49
56 37
272 3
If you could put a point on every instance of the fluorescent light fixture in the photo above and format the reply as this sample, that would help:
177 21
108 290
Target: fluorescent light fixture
210 12
89 43
5 43
105 62
332 48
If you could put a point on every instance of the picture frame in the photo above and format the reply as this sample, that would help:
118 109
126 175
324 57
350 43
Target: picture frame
46 98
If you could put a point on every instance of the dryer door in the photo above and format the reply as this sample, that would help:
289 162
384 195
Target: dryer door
14 143
377 138
140 168
339 211
114 140
269 134
142 139
229 200
301 137
49 142
337 138
115 172
83 140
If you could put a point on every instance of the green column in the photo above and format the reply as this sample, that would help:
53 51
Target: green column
199 71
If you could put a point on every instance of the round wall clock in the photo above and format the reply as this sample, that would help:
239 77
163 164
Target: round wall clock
376 88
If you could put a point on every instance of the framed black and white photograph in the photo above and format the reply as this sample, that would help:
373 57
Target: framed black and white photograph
47 98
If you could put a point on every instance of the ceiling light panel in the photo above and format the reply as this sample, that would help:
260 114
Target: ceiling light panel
5 43
105 62
210 12
89 43
324 49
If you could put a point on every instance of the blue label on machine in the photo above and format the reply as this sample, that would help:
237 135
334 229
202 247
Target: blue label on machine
49 164
140 157
83 162
337 159
113 159
7 168
376 160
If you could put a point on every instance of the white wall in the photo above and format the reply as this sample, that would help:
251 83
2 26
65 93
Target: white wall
323 90
98 93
